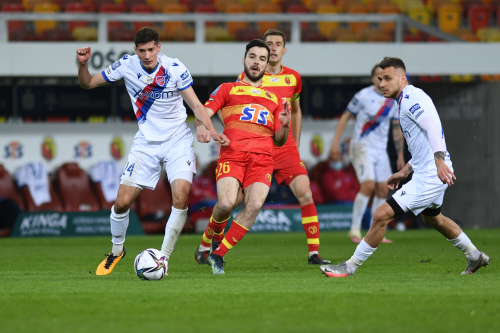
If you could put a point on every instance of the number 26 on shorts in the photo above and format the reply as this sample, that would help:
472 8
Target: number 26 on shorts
223 168
129 169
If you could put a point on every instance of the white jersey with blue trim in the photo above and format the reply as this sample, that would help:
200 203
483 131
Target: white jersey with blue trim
414 106
373 113
155 95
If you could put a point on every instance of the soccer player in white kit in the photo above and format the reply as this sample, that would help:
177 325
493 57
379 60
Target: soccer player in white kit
157 86
432 174
368 149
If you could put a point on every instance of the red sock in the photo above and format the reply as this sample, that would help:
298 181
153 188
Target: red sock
206 240
311 226
233 236
218 228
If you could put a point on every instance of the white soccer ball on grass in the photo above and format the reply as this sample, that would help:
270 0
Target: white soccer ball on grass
150 264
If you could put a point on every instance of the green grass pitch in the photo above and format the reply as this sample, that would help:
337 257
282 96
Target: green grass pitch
413 285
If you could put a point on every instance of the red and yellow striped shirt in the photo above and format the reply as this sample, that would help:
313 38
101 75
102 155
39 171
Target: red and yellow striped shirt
251 115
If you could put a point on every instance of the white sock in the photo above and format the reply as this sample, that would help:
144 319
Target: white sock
363 251
119 225
173 229
358 210
375 204
313 253
202 248
464 243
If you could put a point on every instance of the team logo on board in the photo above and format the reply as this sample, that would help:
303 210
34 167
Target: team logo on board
317 145
287 80
83 149
117 148
14 150
48 148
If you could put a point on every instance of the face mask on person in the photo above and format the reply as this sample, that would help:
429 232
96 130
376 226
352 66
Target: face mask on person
335 165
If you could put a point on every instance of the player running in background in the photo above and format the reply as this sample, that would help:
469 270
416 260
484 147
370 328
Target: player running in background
288 168
432 174
368 151
254 120
157 85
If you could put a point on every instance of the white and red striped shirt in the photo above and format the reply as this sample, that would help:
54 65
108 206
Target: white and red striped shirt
155 95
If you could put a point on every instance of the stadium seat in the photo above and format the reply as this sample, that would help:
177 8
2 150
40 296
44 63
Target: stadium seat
358 9
490 78
247 34
183 34
57 35
24 35
112 8
85 34
488 34
434 5
13 8
222 4
478 16
77 7
313 5
387 8
465 34
374 35
54 205
159 4
419 14
7 188
73 185
415 38
312 35
170 27
449 18
235 8
251 5
343 36
218 34
29 5
266 8
121 35
142 9
327 27
129 4
45 8
154 207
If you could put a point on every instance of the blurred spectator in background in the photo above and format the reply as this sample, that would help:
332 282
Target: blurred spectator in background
8 214
339 183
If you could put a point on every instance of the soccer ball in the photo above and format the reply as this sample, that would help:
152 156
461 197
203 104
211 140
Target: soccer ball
150 264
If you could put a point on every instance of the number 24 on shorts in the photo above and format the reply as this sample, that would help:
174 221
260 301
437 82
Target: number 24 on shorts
223 168
129 169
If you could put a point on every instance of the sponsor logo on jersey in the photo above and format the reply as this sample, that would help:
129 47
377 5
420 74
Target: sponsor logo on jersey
268 95
256 91
14 150
115 65
148 79
153 94
215 91
185 75
48 148
162 80
414 108
287 80
117 148
419 114
108 70
83 149
268 177
275 79
317 145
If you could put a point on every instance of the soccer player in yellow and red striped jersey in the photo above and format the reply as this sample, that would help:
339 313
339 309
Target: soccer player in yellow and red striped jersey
288 167
255 120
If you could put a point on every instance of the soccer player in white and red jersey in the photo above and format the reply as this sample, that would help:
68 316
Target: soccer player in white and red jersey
368 149
432 174
288 167
157 86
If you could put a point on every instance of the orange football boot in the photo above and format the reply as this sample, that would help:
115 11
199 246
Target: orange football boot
107 265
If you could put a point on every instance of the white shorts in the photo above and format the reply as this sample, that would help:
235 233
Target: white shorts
421 193
146 158
370 164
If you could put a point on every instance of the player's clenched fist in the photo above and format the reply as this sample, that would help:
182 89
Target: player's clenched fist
83 55
286 114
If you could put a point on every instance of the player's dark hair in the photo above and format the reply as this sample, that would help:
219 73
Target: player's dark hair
258 43
392 62
275 32
146 35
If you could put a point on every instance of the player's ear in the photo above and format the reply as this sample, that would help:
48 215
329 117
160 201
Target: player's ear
284 51
159 46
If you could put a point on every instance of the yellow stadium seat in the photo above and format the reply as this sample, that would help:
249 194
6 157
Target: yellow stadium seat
358 8
313 5
170 27
449 17
343 36
266 8
85 34
183 34
218 34
387 8
29 5
406 5
466 35
326 27
374 35
235 8
461 78
419 14
159 4
45 8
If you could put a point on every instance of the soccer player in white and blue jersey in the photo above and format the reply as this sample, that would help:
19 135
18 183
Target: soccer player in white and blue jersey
432 174
368 149
157 86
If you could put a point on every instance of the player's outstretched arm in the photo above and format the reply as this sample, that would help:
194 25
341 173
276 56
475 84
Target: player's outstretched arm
86 80
296 122
281 135
200 112
395 179
335 153
202 134
397 137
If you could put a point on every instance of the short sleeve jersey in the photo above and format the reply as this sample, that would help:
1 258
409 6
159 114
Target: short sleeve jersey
155 95
287 84
251 115
415 105
373 117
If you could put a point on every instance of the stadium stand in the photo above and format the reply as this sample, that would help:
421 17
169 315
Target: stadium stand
154 207
7 188
54 205
73 185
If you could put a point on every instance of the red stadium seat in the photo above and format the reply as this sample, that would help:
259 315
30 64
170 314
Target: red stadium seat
54 205
111 8
13 8
57 35
7 189
142 9
206 8
121 35
77 7
246 35
310 35
154 207
409 37
129 4
24 35
478 16
73 185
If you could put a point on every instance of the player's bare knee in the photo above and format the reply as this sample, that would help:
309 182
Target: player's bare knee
224 206
122 204
380 218
305 198
253 208
180 201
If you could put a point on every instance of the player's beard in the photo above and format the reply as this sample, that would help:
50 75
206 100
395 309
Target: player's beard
251 77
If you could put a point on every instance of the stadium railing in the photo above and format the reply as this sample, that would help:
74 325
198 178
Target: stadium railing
200 21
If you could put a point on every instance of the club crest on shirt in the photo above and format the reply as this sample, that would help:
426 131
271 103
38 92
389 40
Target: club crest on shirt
268 95
268 177
162 80
287 80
